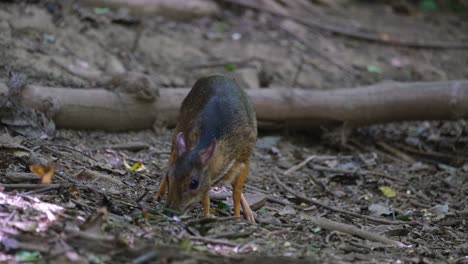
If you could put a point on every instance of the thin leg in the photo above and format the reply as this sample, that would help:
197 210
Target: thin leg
163 184
162 188
206 204
246 209
237 196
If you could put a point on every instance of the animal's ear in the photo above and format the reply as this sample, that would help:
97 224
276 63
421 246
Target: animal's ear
180 145
206 156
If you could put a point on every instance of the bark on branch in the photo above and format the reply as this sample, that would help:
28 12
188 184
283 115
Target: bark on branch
276 107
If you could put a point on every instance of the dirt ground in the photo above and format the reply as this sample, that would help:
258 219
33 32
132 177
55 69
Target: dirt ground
412 176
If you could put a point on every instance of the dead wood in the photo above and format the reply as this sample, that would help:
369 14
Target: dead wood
352 230
276 107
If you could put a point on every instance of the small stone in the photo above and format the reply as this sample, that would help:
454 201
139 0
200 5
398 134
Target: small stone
465 167
440 209
236 36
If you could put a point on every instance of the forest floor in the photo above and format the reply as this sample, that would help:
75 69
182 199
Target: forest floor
412 177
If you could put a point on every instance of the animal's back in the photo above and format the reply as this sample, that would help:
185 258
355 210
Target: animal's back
217 107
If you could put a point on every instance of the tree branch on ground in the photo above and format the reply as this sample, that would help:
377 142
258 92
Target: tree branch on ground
276 107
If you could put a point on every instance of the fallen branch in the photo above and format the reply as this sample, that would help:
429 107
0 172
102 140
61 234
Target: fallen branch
292 108
15 186
352 230
396 152
95 175
212 241
22 176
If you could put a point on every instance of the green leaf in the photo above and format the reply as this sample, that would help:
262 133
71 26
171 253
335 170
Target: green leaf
387 191
429 5
315 229
26 256
404 218
315 245
223 206
200 248
229 67
101 10
135 166
262 210
185 245
373 69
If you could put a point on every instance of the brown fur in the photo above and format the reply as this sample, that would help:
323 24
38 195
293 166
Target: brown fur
236 144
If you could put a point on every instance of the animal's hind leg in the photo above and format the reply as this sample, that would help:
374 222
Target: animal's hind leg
238 197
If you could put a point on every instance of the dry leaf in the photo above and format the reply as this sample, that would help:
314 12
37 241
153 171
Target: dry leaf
45 171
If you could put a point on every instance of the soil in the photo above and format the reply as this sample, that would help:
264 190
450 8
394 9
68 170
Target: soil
414 173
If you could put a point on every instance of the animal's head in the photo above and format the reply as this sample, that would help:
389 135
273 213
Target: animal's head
188 177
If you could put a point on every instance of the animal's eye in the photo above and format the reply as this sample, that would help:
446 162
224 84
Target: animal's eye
193 184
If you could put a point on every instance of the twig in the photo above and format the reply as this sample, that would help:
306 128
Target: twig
87 173
30 185
72 149
352 230
233 235
353 32
131 146
334 209
300 165
212 241
45 189
145 258
429 153
420 194
321 185
141 197
396 152
253 188
22 176
274 200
